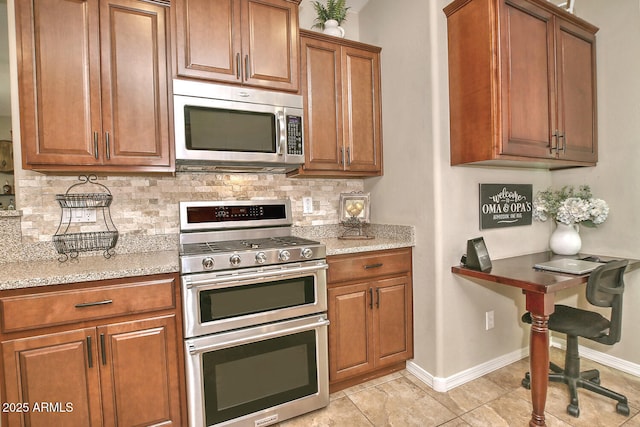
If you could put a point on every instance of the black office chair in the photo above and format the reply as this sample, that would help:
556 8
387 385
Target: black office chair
604 289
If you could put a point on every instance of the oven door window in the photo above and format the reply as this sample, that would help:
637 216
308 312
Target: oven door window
237 381
223 303
215 129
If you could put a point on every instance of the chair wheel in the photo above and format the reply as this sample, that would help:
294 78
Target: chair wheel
526 383
573 410
622 409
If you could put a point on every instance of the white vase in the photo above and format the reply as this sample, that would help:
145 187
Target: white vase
565 240
332 28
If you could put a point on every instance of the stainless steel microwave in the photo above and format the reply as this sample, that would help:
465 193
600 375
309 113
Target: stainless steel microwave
232 128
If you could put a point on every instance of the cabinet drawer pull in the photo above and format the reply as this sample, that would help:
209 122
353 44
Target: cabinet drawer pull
377 297
371 298
341 156
94 303
103 350
238 66
246 68
348 156
89 352
370 266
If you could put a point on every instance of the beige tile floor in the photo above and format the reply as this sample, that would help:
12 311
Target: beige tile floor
496 399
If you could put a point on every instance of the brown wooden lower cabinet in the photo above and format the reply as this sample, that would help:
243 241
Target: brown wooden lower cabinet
112 371
370 310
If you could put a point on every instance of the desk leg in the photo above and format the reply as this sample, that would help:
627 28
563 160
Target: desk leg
540 306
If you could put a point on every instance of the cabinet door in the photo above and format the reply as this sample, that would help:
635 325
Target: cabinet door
321 83
58 81
350 350
139 372
134 83
393 321
362 111
208 39
59 368
576 68
270 44
528 73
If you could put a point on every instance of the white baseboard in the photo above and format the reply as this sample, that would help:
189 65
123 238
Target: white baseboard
441 384
600 357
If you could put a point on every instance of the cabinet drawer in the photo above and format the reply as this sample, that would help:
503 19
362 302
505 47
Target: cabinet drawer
368 265
61 307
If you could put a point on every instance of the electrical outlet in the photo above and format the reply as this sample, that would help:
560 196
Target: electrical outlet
489 322
78 215
307 205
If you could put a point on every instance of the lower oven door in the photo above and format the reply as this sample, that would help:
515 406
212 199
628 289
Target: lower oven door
258 376
232 299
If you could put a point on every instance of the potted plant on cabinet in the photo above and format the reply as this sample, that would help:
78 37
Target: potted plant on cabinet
330 17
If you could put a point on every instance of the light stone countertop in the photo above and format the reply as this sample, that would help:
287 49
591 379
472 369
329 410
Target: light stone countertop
153 259
385 237
27 274
337 246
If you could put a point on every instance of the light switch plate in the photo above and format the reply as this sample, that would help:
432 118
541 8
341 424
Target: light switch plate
307 205
78 215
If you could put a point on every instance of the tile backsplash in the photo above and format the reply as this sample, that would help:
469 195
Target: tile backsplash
145 206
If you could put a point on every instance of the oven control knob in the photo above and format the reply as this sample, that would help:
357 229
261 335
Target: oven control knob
261 258
235 260
306 253
284 255
208 263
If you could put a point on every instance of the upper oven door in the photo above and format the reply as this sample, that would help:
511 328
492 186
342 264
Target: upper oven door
216 302
215 123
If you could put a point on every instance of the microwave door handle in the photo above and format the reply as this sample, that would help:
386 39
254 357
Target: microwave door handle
281 132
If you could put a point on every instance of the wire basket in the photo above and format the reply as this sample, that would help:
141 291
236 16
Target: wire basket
84 200
69 245
74 243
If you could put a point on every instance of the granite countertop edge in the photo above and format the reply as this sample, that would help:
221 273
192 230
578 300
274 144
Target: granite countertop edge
30 274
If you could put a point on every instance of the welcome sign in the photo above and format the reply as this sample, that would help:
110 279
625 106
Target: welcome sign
505 205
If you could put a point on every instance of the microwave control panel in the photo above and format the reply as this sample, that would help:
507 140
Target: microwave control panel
294 135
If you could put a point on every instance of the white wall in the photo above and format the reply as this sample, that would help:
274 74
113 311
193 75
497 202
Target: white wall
616 177
420 188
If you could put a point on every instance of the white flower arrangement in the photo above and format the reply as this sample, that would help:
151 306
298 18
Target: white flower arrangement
570 206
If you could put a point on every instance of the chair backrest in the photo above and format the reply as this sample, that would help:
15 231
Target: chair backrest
604 289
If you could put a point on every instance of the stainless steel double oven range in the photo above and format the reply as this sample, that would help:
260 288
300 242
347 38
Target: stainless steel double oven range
254 301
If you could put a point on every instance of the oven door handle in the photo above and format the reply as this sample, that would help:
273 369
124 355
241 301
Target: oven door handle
195 348
252 277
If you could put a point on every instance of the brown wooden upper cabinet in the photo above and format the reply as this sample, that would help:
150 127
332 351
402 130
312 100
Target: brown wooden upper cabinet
251 42
522 84
341 88
93 85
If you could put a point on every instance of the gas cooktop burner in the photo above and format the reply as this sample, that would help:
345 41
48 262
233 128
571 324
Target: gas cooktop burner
242 245
217 236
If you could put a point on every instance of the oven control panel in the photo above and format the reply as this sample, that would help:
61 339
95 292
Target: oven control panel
200 216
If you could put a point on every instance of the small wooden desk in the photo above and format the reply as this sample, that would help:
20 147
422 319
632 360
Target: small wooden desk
539 288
